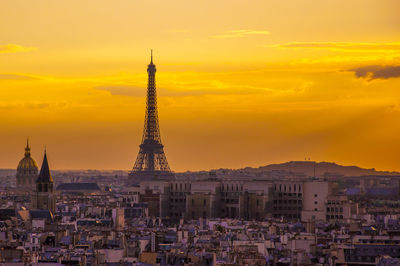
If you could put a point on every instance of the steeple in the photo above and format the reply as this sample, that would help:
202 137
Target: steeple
45 175
44 198
27 149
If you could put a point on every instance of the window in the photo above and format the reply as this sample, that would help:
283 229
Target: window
315 195
205 202
315 202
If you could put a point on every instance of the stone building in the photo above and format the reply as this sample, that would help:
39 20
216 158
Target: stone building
287 199
27 172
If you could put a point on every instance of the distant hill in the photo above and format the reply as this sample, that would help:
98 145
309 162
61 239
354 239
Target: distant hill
321 168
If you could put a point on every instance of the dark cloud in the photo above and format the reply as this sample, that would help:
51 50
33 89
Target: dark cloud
377 72
15 77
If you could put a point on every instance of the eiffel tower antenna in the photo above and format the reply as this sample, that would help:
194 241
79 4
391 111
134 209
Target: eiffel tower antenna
151 162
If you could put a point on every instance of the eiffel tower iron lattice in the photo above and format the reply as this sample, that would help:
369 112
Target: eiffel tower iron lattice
151 162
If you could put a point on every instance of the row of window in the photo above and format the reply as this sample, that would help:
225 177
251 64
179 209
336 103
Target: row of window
334 209
288 201
232 187
181 186
178 200
298 195
233 201
287 188
288 208
328 217
335 202
290 216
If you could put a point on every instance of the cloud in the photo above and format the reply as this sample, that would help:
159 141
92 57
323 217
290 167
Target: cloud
377 72
26 105
15 77
36 105
241 33
208 87
14 48
342 46
123 90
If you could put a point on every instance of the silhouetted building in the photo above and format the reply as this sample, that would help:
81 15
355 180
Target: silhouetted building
27 171
151 162
85 188
44 198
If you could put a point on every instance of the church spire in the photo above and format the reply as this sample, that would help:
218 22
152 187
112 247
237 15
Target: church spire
45 175
27 149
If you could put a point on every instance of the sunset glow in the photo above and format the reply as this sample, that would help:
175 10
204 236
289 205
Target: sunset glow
267 82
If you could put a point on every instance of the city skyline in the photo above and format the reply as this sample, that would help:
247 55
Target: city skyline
262 86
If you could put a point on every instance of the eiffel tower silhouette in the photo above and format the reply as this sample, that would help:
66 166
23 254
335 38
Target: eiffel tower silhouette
151 162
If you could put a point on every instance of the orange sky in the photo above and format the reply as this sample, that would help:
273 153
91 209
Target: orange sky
240 83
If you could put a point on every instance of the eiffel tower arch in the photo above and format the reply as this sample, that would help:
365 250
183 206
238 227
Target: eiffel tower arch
151 162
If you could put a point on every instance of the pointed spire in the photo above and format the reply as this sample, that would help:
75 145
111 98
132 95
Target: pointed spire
45 175
151 62
27 149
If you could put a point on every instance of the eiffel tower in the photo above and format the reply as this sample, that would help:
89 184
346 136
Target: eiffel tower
151 162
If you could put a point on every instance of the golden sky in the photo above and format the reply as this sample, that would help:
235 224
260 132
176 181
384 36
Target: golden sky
240 83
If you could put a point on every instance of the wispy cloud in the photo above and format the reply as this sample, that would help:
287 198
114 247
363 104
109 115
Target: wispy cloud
377 72
342 46
16 77
15 48
241 33
123 90
28 105
208 87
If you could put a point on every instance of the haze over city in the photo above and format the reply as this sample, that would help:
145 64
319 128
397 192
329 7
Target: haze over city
239 84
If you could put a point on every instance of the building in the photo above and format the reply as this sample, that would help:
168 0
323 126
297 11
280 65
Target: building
84 188
43 197
27 171
287 199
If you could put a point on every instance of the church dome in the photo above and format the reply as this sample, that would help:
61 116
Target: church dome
27 163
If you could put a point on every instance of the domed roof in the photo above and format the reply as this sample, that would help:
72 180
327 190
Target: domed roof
27 162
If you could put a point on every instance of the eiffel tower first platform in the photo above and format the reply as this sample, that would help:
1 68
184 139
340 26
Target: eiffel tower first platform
151 162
